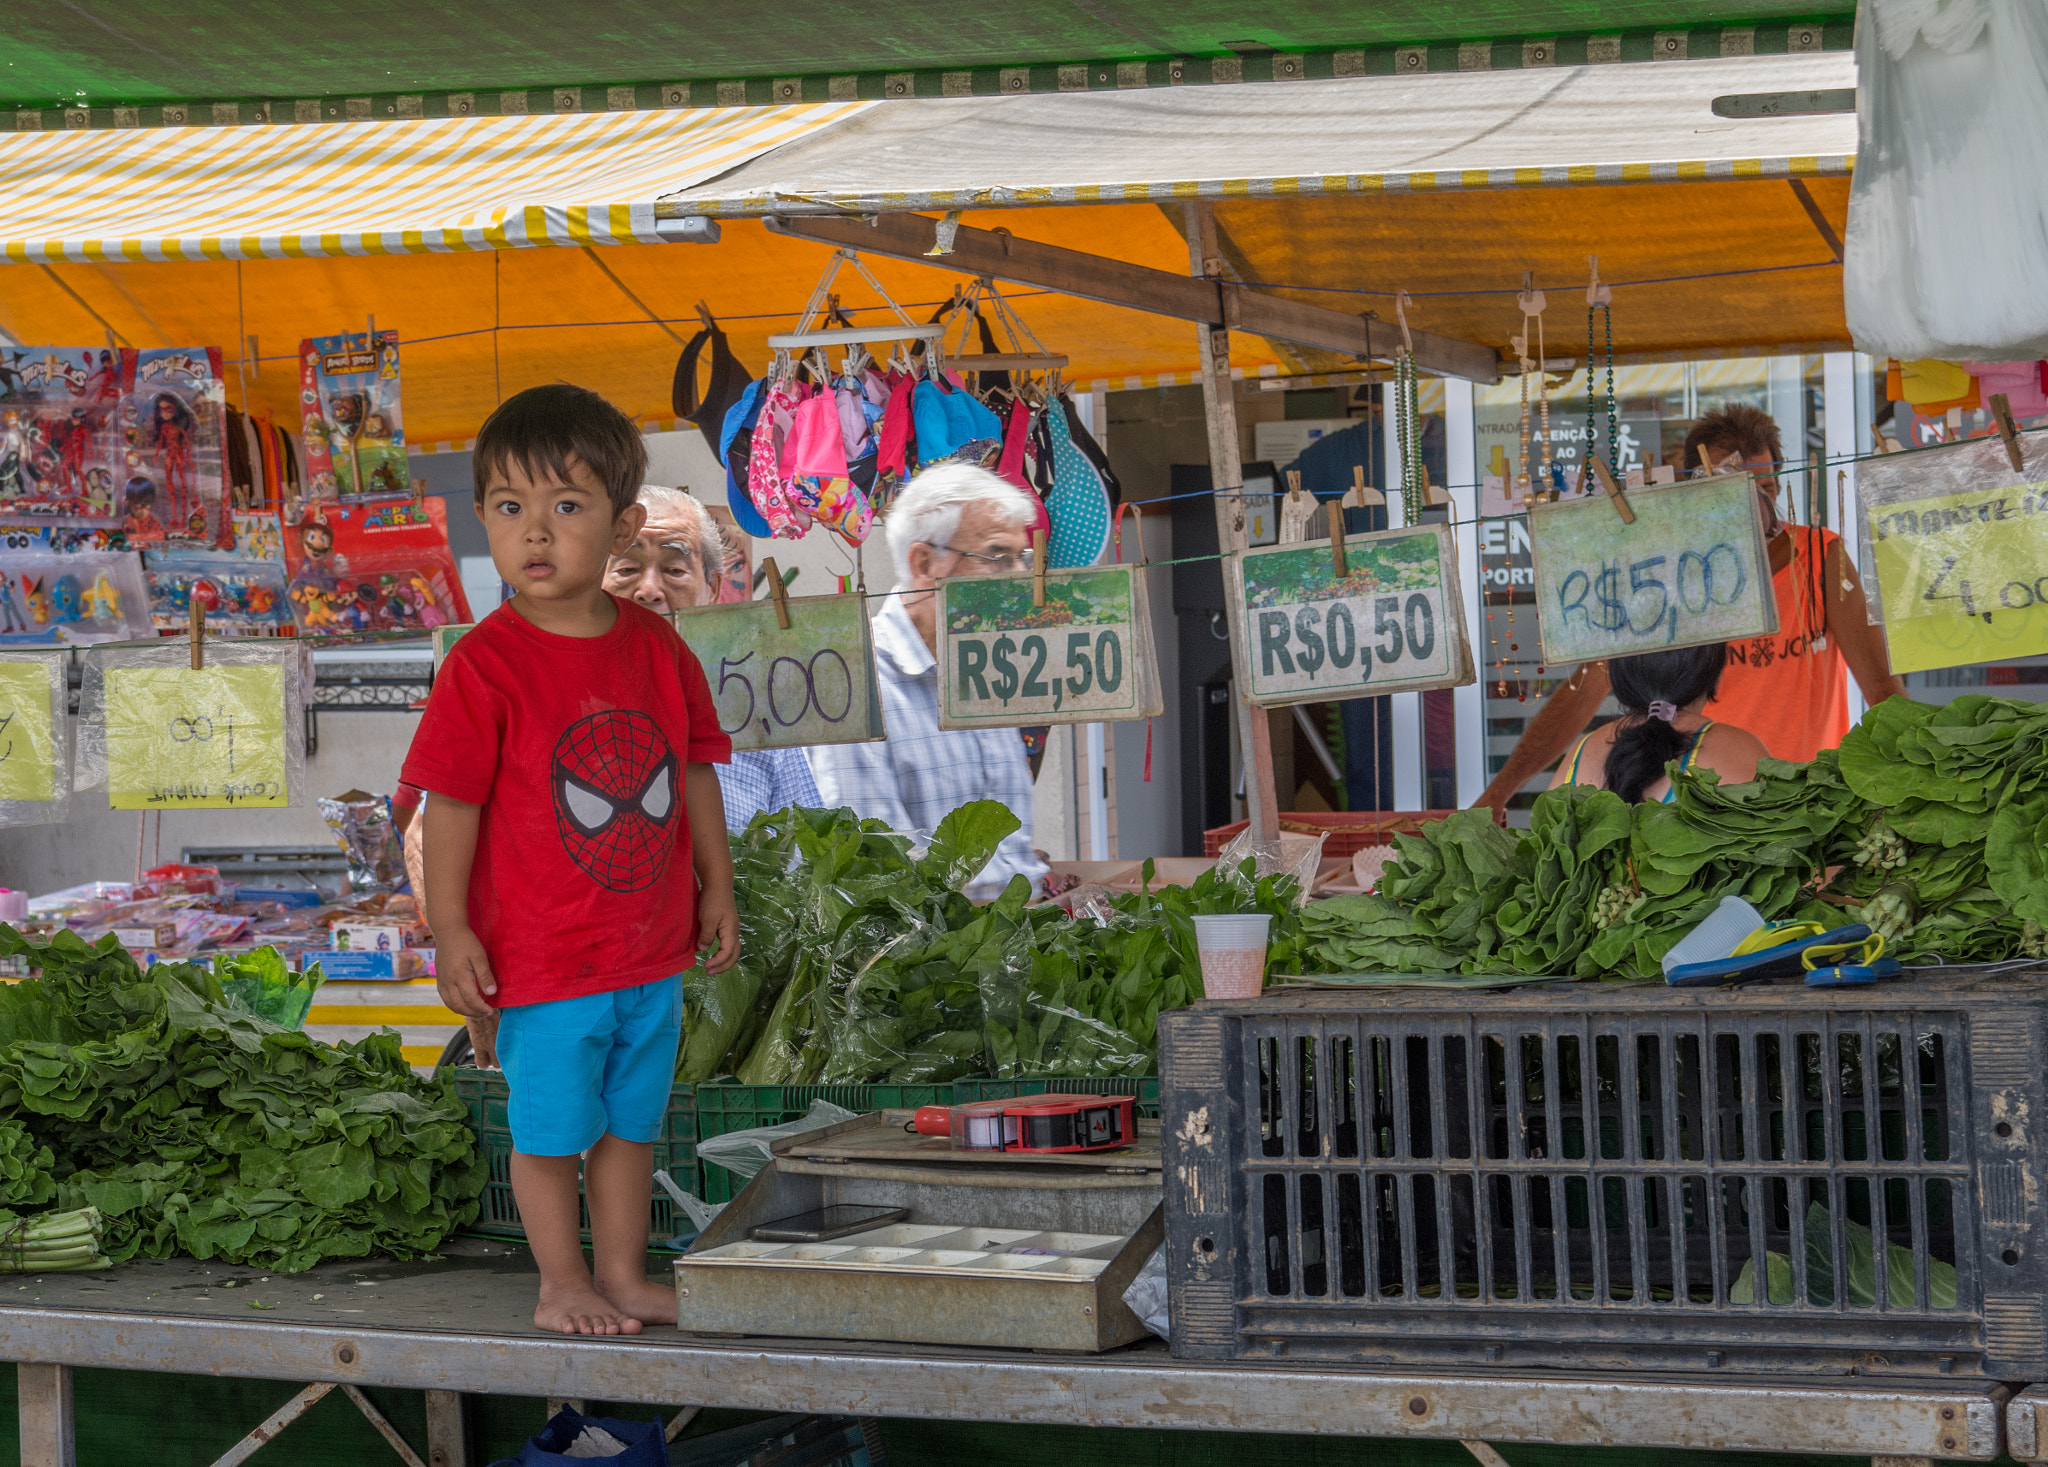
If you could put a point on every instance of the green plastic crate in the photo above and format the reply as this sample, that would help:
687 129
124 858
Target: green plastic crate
1145 1089
675 1151
724 1106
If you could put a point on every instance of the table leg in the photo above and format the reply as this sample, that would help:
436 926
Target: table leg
48 1436
447 1429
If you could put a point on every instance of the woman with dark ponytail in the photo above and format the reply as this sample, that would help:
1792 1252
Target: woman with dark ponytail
1661 694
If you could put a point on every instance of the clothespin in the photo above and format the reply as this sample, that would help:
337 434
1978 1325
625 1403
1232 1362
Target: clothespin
1531 299
1596 293
255 357
1038 567
1608 482
1293 486
777 592
195 621
1877 438
1433 494
373 332
1361 495
1707 462
944 232
2001 415
1336 518
1401 312
704 315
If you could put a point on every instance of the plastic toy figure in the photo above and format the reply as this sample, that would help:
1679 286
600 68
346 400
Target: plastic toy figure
262 600
38 600
427 604
101 601
139 510
316 608
12 619
64 599
13 450
69 439
171 433
103 383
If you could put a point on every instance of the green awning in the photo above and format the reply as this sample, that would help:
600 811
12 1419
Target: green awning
242 62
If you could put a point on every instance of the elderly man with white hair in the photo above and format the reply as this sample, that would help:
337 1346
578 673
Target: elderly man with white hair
678 560
952 520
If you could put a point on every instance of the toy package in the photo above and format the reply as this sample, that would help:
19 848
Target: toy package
243 590
373 568
171 479
60 439
86 596
354 434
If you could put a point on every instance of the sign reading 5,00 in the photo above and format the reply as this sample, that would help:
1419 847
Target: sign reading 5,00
1691 569
1394 622
1085 656
810 683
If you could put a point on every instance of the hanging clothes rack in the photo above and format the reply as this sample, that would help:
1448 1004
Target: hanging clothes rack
967 308
823 306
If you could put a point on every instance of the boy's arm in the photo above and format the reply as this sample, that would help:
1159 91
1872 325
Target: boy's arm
718 917
462 968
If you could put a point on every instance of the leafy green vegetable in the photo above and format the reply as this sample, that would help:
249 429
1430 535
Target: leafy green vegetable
1859 1248
55 1242
192 1125
25 1166
259 983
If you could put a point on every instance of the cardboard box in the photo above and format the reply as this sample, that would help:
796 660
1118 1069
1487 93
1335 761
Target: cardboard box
369 967
374 937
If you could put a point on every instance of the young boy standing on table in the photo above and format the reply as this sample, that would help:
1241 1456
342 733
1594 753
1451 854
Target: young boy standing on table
576 855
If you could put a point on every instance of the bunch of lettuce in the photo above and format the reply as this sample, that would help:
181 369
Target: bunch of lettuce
821 894
195 1126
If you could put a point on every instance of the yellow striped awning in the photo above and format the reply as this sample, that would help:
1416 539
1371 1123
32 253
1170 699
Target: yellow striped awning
403 187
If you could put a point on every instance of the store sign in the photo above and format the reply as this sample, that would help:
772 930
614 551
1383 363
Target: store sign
1394 622
1691 569
28 745
813 683
1956 553
213 739
1085 656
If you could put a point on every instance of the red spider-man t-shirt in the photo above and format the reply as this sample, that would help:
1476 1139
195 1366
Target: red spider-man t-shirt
575 748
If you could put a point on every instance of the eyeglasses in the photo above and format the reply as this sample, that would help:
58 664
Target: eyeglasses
1018 560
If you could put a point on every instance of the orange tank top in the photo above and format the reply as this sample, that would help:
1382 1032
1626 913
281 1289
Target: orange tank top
1791 689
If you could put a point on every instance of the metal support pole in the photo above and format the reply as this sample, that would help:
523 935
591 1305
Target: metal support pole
48 1435
1461 467
1226 477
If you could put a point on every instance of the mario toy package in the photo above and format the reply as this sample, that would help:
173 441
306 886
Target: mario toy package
373 568
171 480
60 435
354 435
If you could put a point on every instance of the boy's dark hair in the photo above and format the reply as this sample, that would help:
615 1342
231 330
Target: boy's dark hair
1644 745
1736 428
542 428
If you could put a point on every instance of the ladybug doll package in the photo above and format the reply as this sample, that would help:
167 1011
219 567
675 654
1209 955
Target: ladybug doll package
353 431
60 439
170 479
373 568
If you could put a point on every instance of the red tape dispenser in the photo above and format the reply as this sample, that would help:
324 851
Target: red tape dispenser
1035 1123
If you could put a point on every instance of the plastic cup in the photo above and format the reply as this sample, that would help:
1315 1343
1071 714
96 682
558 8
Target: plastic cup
1233 953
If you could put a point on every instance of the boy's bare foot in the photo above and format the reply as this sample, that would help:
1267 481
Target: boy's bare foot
641 1299
584 1311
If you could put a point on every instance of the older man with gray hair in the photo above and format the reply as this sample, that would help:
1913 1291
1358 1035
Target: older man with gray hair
678 560
951 520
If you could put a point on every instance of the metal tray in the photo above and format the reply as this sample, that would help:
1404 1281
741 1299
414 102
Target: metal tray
946 1277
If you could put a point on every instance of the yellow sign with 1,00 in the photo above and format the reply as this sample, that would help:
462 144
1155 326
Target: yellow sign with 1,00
212 739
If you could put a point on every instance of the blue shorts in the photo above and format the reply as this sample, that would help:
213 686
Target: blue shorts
579 1068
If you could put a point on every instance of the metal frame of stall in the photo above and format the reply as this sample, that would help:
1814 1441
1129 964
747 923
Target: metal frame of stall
1888 1421
1893 1423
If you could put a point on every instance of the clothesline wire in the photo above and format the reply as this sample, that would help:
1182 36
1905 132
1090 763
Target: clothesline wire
353 639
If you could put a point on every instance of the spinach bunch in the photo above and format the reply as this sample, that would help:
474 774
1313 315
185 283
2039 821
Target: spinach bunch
195 1126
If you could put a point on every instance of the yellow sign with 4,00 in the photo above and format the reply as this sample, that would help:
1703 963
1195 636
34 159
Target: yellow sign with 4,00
1963 577
207 740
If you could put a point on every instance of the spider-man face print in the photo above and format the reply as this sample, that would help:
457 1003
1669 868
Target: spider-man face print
615 798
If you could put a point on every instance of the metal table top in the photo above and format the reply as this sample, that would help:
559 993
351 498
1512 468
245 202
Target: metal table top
464 1323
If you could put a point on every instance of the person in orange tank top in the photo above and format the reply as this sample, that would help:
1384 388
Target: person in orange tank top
1790 688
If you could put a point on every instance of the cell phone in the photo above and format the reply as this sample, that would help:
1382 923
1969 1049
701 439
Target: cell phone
827 1223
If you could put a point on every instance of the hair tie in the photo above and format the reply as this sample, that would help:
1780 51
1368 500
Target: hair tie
1666 711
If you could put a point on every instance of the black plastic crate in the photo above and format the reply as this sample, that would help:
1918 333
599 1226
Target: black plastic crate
1598 1176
